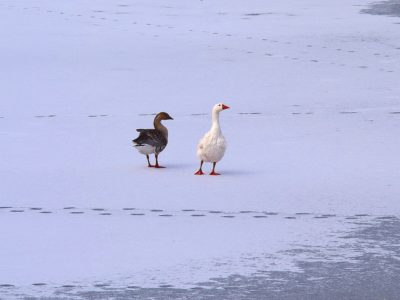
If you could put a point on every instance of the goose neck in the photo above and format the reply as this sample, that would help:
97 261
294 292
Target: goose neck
160 127
215 121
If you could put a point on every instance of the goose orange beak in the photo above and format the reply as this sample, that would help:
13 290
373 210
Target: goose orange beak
225 106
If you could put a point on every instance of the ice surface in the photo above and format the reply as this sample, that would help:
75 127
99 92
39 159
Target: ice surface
313 128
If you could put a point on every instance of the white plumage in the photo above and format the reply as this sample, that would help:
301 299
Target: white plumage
212 146
145 149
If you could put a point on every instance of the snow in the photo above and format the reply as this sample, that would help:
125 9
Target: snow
313 127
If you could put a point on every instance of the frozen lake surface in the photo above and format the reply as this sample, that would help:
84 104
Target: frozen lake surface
307 206
390 8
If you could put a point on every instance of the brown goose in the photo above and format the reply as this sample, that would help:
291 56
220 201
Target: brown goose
154 140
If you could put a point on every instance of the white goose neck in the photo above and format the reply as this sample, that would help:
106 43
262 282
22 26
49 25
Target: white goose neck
215 121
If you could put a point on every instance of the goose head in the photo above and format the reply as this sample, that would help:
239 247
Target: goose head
163 116
220 107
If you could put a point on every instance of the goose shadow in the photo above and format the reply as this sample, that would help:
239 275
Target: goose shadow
179 166
234 172
222 171
192 168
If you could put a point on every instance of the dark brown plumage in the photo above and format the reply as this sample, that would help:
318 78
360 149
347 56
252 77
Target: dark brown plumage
154 140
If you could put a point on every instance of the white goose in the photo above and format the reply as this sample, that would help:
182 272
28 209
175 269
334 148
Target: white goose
212 146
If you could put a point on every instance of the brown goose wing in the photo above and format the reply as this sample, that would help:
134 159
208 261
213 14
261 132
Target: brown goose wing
150 137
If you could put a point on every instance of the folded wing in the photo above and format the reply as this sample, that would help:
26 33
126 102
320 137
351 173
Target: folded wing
150 137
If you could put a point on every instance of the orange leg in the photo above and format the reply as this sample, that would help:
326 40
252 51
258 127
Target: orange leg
213 170
157 165
148 162
200 171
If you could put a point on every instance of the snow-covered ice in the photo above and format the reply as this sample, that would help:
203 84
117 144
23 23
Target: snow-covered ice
313 139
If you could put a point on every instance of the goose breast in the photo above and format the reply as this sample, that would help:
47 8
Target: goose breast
211 147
